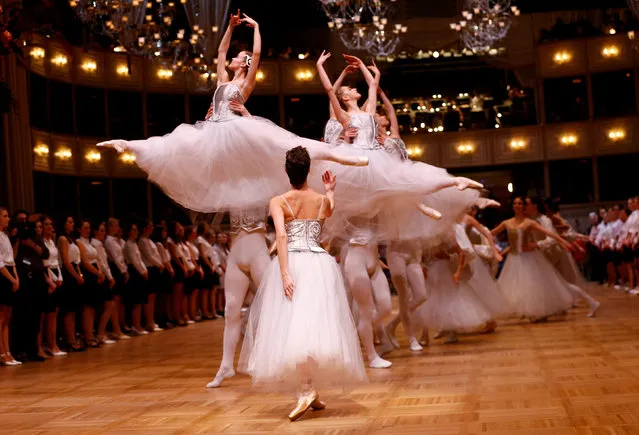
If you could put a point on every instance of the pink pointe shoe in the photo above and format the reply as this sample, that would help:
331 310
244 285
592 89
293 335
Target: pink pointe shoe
117 144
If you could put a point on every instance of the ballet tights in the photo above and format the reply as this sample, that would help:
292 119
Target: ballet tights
371 293
407 277
248 258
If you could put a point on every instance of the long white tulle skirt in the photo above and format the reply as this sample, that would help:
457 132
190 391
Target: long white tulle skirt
533 287
315 330
452 307
487 289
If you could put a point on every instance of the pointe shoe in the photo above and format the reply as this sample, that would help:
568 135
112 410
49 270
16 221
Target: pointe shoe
430 212
485 203
354 161
303 404
117 144
464 183
593 309
317 404
414 345
221 375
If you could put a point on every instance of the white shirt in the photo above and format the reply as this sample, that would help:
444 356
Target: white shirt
115 253
186 254
102 258
73 251
6 251
546 223
133 256
89 250
53 262
164 253
150 254
211 252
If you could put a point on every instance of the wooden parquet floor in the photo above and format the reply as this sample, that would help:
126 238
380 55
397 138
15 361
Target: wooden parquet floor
574 376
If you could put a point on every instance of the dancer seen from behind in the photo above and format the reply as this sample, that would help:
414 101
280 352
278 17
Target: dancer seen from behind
301 335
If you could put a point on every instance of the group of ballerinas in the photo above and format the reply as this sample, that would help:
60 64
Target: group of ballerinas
300 332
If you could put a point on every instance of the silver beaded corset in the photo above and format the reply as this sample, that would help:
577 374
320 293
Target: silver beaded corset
333 131
223 95
396 147
366 131
248 220
303 235
515 240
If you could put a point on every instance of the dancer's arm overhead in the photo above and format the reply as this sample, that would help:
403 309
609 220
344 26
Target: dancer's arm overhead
338 83
372 82
482 229
340 114
390 113
329 181
222 74
253 61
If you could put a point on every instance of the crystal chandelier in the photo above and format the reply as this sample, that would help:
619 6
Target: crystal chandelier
361 25
484 22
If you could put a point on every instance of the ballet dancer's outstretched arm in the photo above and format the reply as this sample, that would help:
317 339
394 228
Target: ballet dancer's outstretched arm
338 83
253 64
499 228
373 83
277 213
340 114
531 224
390 112
225 43
482 229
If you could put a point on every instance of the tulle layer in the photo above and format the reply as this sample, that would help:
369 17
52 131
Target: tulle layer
218 166
315 329
487 289
386 193
533 287
451 307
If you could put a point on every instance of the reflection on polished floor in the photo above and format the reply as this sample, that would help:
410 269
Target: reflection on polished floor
578 376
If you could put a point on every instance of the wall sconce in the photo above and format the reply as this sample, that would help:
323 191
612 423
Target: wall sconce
165 74
562 57
122 69
60 60
304 75
41 150
63 153
414 151
127 158
617 135
466 149
89 66
37 53
517 144
568 140
260 76
610 51
93 156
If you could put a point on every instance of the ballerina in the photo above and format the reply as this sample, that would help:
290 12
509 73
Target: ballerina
392 192
528 280
204 167
300 331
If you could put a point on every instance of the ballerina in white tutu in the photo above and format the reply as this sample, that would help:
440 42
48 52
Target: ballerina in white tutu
301 335
204 167
530 283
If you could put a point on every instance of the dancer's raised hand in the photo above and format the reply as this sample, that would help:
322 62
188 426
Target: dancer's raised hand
353 60
330 181
325 55
250 22
375 71
235 20
289 286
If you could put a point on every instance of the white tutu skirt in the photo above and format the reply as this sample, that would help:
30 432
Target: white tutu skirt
487 289
533 287
233 164
315 329
388 191
452 307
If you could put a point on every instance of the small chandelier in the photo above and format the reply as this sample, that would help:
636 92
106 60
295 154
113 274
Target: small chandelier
484 22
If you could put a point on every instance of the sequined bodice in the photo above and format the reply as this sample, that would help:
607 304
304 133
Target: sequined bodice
366 131
223 95
304 235
248 220
515 240
396 147
333 131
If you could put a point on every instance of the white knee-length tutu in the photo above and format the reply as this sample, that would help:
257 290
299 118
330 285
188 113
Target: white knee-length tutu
315 328
530 283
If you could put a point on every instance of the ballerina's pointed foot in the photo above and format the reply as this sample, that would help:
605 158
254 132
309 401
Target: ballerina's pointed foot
222 374
117 144
304 402
593 309
430 212
354 161
380 363
390 332
485 203
464 183
317 404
